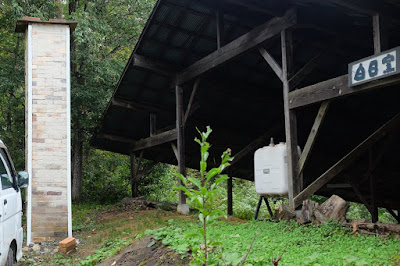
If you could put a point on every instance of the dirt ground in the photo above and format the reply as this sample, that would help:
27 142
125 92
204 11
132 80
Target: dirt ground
146 252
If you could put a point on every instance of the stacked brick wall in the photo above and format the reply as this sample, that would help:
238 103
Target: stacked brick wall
49 132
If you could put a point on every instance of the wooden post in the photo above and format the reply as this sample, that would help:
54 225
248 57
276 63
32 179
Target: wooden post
182 206
374 206
133 175
295 184
380 38
230 198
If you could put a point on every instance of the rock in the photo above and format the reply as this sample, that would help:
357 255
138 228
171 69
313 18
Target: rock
25 249
284 213
77 241
55 250
334 208
36 248
183 209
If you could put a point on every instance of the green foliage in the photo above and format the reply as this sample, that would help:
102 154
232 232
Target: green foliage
203 198
108 249
106 177
328 244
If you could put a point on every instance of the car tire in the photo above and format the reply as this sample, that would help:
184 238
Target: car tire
10 257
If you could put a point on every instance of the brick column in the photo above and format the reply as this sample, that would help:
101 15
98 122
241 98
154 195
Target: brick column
48 145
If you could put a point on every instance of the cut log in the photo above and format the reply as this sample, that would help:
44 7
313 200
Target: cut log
307 212
334 208
376 228
284 213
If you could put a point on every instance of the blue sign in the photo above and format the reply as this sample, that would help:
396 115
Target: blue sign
374 67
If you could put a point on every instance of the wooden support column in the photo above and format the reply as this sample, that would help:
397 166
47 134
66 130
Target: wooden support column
295 184
374 206
220 28
380 37
230 195
133 173
182 206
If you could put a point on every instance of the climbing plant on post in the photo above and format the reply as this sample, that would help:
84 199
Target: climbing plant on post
203 194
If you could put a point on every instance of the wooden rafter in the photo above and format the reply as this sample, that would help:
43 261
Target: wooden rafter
189 106
141 61
139 106
238 46
347 160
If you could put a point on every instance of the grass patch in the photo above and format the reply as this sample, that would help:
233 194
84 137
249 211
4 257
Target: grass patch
301 245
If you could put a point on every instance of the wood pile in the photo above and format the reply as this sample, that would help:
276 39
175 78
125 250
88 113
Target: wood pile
335 208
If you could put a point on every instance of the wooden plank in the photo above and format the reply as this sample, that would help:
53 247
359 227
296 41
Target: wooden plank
334 88
347 160
294 180
271 62
180 139
153 124
376 33
155 140
312 136
238 46
141 61
189 106
306 70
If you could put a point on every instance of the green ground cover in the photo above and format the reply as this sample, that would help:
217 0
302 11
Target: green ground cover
297 244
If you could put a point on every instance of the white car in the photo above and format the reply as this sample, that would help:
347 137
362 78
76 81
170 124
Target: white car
11 233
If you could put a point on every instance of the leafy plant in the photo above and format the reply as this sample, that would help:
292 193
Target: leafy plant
203 195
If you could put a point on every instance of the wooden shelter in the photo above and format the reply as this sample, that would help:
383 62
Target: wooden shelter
255 69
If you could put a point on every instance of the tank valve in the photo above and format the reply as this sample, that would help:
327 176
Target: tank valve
271 142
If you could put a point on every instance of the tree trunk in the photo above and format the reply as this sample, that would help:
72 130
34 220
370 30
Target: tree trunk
77 155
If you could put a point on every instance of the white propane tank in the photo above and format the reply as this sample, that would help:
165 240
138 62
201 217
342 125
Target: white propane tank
271 170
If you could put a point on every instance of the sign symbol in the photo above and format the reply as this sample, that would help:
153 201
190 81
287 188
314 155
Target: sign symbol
387 60
373 68
360 73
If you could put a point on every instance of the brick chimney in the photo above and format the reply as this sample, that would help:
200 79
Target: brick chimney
47 127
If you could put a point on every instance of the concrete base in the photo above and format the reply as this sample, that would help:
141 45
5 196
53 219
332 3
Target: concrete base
183 209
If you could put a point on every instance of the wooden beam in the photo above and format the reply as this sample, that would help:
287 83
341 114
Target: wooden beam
257 143
238 46
271 62
347 160
312 136
334 88
189 106
141 61
139 106
133 174
294 179
155 140
153 124
175 150
397 217
220 28
306 70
